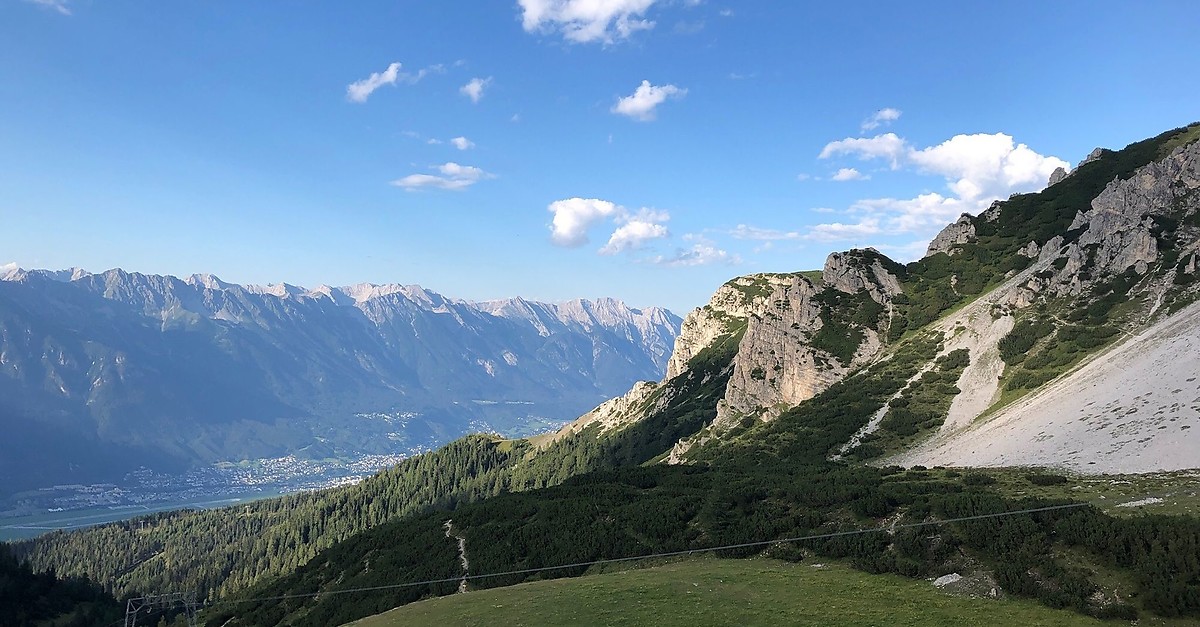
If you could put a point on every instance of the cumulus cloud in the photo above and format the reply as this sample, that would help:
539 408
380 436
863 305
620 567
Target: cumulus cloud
983 165
58 6
848 174
359 91
978 169
632 235
887 146
880 118
645 99
450 176
575 217
702 252
462 143
586 21
474 88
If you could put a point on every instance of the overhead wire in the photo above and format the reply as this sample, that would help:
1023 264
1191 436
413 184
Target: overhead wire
742 545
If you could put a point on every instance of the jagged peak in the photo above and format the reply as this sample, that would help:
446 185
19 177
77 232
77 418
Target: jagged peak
207 281
280 290
863 269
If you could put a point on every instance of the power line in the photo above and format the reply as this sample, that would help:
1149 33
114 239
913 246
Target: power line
743 545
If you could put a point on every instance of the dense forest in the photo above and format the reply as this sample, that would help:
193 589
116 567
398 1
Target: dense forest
28 598
216 552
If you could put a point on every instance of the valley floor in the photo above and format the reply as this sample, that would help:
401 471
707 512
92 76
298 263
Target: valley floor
726 592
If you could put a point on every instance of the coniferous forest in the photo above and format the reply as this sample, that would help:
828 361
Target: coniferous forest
524 505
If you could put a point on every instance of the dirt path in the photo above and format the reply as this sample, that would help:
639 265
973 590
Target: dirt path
462 554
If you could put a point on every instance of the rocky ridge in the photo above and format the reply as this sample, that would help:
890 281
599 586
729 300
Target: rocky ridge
1134 239
777 322
94 359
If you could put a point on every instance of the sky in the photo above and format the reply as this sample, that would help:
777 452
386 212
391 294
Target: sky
646 150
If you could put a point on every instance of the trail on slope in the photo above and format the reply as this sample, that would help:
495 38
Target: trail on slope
1132 409
462 554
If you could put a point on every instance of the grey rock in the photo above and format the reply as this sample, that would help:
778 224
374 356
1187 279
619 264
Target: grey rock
961 231
861 269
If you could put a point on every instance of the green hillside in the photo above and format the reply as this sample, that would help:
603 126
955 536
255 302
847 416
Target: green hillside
725 592
598 494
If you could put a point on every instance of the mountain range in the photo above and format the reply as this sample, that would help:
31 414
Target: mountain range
102 373
1049 335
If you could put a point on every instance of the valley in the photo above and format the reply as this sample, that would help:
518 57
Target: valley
728 313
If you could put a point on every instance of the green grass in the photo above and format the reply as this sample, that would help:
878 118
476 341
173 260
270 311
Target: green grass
725 592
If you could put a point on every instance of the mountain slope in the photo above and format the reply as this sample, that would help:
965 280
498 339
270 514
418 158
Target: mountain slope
166 373
1135 408
782 383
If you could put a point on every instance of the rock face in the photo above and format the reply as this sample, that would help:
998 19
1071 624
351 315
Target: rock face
617 412
728 308
1057 175
861 269
776 367
776 320
960 232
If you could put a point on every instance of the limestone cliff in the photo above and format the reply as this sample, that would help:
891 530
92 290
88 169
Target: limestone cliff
1130 226
796 335
959 232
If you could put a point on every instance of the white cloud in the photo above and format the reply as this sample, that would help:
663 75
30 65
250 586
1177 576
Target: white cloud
880 118
359 91
978 169
986 166
462 143
586 21
822 232
745 231
640 106
631 236
451 176
803 177
432 141
474 88
848 174
59 6
835 231
887 146
573 217
701 253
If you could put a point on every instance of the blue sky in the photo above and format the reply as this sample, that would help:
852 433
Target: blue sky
643 149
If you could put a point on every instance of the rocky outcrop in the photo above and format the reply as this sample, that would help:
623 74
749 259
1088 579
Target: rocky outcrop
861 269
1096 153
1057 175
617 412
776 367
960 232
727 310
1123 229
